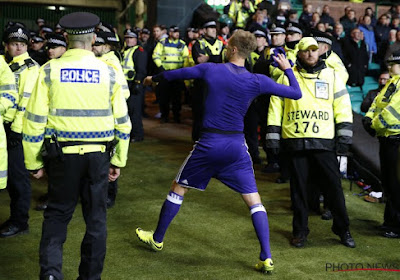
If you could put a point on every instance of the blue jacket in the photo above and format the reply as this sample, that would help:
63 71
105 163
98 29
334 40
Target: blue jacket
369 37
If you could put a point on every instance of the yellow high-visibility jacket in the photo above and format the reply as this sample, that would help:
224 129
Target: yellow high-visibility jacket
128 65
385 110
334 61
111 59
26 72
76 98
170 54
239 15
8 99
315 120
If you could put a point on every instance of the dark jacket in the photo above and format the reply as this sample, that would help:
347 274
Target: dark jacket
355 59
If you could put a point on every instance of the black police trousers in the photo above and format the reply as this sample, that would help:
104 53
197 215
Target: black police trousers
301 163
83 177
389 159
18 183
170 93
135 112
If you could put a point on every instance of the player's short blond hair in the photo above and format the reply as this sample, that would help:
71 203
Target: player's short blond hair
244 41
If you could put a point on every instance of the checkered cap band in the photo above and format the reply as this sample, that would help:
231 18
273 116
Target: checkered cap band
80 31
19 34
294 29
56 42
323 40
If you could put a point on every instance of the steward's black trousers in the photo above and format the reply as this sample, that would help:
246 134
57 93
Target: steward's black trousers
301 163
389 159
83 177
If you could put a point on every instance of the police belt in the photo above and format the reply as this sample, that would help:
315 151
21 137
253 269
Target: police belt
81 148
219 131
84 149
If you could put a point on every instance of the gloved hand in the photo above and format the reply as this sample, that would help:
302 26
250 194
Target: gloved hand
342 149
273 151
367 123
14 139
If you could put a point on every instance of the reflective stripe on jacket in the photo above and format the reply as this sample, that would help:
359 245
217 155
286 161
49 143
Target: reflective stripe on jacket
385 110
76 98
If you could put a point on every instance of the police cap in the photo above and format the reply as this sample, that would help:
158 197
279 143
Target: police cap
37 39
105 38
210 24
394 58
55 40
106 27
260 33
277 29
322 37
16 33
128 33
146 31
79 23
46 29
293 27
173 28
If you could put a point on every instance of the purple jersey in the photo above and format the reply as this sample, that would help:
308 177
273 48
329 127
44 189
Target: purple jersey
221 151
231 89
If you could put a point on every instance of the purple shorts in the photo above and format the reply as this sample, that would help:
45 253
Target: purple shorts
221 156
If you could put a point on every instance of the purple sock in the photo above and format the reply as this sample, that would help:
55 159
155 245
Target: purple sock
260 223
168 212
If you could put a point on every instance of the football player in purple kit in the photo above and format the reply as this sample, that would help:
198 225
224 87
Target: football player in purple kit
221 151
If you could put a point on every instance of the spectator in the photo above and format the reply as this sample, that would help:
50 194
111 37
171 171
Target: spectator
395 23
315 20
320 26
395 10
383 78
292 16
224 32
369 36
326 18
393 47
257 23
306 16
355 58
349 22
369 12
346 9
382 30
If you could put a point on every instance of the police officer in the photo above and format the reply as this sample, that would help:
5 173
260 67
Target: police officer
19 188
37 51
8 99
169 54
312 129
103 48
331 59
256 114
383 121
266 65
76 110
56 45
134 66
294 33
207 49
